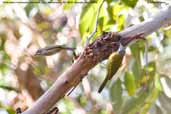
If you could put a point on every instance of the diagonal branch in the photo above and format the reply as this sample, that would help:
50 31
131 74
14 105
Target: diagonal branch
94 53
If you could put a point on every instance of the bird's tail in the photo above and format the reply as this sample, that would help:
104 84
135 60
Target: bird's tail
103 84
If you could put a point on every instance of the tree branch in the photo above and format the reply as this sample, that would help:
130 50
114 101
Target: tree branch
94 53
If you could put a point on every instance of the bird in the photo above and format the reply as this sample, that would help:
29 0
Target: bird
113 64
50 50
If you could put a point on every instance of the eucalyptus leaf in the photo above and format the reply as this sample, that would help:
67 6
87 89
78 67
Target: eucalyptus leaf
69 4
116 95
142 102
88 19
130 85
130 3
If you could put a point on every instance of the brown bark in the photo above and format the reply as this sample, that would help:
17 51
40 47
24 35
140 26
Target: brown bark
27 80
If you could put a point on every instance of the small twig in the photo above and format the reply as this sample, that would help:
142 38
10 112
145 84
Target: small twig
146 53
72 89
9 88
95 29
157 2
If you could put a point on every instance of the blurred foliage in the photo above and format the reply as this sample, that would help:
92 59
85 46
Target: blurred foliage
138 88
130 83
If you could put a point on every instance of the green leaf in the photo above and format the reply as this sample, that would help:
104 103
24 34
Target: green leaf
137 49
121 21
116 95
136 70
130 3
7 0
157 82
142 103
69 104
29 7
148 73
115 16
151 68
154 93
82 100
116 10
130 85
4 69
110 1
69 4
88 19
132 105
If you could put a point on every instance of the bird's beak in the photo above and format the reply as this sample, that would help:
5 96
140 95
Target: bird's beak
37 53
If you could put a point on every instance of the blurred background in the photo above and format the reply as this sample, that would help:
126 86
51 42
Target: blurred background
138 87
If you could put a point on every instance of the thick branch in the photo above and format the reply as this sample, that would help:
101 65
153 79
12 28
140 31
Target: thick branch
94 53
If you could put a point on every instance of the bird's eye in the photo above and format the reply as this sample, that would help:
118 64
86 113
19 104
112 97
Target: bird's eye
38 52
